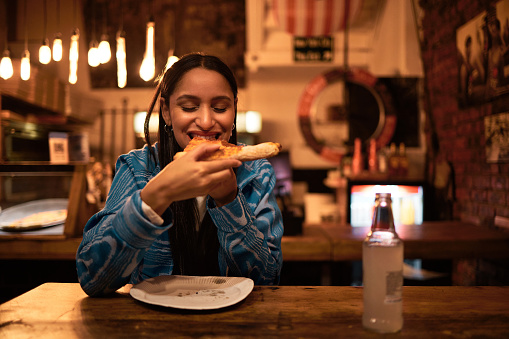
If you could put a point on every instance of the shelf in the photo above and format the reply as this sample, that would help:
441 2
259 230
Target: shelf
31 166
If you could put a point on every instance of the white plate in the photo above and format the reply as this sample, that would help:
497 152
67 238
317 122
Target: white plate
192 293
11 214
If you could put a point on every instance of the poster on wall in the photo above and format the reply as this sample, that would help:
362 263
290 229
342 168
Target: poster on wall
483 56
496 132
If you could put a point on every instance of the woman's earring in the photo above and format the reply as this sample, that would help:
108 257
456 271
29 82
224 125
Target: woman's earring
233 127
168 129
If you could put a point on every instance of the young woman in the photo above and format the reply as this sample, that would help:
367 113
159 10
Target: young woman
185 216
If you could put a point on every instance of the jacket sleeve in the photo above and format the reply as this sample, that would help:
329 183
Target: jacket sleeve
250 228
116 238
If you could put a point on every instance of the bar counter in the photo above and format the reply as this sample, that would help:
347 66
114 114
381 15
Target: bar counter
63 310
326 242
431 240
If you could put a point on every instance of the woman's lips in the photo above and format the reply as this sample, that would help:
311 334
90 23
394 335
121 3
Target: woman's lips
208 136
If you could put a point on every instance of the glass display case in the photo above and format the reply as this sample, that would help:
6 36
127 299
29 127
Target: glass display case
29 189
43 199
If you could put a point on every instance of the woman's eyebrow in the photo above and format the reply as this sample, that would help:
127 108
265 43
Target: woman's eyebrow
187 96
194 97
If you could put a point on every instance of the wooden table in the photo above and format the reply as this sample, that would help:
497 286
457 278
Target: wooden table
32 247
324 242
431 240
64 311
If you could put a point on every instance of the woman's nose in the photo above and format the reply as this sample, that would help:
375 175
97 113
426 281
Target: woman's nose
205 119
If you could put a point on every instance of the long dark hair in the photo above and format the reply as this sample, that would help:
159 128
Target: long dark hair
194 253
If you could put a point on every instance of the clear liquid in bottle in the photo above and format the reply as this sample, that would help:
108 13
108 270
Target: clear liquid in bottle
382 265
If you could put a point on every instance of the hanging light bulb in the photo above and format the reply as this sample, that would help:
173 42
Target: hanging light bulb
104 50
74 50
25 65
45 52
93 51
25 57
121 60
93 54
104 45
6 70
57 39
57 47
148 65
171 60
73 56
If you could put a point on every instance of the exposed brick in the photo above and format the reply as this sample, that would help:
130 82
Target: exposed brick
486 211
498 183
502 211
482 189
482 181
462 194
479 195
498 197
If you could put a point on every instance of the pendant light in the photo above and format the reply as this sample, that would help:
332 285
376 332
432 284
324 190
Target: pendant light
57 40
74 52
121 53
25 56
93 52
6 70
73 56
171 56
104 45
45 50
121 61
171 59
148 65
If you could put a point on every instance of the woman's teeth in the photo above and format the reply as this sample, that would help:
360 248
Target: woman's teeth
208 137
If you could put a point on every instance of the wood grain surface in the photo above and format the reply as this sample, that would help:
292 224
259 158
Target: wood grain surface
57 310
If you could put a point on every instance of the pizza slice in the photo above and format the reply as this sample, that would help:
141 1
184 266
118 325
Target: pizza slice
231 151
38 219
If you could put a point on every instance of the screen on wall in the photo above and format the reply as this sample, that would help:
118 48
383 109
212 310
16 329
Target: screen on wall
407 203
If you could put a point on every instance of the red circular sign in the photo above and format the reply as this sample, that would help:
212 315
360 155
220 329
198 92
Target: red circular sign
354 75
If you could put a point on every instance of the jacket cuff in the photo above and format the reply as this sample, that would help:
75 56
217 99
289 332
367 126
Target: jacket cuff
134 227
231 217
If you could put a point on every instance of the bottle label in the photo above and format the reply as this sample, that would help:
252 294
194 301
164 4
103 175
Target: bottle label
394 287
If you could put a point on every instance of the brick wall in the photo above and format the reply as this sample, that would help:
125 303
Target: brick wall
481 188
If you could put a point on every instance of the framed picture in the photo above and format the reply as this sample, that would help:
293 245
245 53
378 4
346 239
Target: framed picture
483 56
496 131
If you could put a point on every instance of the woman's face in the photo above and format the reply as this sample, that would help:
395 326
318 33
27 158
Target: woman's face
201 105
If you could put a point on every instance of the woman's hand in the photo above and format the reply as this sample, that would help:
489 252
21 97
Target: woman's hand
188 177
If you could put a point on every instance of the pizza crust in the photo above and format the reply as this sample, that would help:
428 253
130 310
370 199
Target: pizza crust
40 218
230 151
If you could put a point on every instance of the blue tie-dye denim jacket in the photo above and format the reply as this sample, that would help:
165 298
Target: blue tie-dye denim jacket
120 245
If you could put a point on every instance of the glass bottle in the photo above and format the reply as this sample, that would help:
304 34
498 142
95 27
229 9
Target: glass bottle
393 161
382 267
403 160
357 161
372 158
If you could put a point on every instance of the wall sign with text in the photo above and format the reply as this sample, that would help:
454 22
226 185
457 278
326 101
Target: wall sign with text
306 49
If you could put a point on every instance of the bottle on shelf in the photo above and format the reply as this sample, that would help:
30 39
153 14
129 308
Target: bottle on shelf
372 157
382 267
393 161
382 161
357 161
403 160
